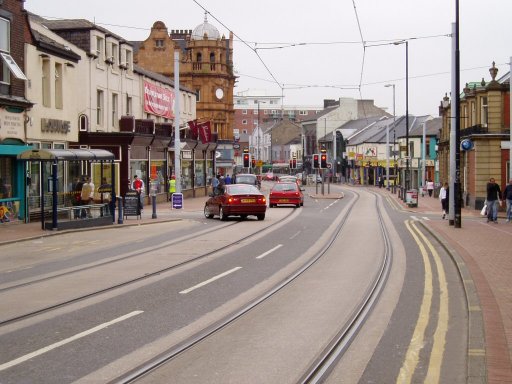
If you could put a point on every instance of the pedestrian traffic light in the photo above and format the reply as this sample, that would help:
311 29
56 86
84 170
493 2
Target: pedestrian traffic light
246 160
316 161
293 163
323 160
253 162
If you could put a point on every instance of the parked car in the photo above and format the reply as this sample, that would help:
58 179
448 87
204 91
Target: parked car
286 193
236 200
247 178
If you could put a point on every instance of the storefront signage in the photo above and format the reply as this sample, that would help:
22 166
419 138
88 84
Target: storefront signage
11 125
187 155
55 126
158 101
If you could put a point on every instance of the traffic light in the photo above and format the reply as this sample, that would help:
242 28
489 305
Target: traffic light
316 161
323 160
246 160
253 162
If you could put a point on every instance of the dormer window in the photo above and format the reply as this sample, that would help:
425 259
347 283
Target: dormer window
159 43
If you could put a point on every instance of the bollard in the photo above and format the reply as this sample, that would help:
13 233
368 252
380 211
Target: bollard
120 210
153 202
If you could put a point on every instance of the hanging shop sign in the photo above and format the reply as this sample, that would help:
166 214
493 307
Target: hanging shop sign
158 101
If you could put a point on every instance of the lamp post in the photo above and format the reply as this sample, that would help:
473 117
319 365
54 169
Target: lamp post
259 131
387 137
406 176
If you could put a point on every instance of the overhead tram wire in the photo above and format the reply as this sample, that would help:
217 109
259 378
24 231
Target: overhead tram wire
243 41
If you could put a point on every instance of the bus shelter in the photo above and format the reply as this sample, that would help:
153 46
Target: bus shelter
54 156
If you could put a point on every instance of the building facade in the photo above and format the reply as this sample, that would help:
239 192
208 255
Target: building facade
14 108
206 67
485 127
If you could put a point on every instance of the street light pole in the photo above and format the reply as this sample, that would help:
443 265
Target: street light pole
387 137
407 176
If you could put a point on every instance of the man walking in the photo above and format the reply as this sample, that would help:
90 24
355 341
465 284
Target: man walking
493 199
507 196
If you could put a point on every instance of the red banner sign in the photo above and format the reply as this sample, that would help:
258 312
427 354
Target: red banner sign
158 101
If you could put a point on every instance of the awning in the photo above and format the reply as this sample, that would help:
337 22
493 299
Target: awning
66 155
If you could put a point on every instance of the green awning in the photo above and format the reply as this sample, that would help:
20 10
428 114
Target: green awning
13 150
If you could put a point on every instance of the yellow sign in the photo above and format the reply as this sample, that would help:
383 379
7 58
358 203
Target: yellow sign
259 163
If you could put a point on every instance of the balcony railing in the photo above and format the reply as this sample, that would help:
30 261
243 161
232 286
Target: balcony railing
477 129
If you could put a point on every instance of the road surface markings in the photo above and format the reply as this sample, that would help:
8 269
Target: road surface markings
210 280
417 342
415 218
269 251
41 351
295 235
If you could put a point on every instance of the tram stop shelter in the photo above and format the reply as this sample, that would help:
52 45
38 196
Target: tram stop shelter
65 155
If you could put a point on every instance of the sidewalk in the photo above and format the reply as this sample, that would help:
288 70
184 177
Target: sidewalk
485 251
17 230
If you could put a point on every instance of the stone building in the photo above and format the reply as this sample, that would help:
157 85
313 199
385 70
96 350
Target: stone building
206 67
485 131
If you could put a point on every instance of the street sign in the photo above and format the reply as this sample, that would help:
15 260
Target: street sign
177 200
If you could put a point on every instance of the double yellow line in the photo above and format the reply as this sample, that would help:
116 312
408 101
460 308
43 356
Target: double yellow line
418 338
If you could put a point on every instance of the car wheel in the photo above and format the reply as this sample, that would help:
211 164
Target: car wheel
261 217
207 212
243 217
301 203
297 205
222 216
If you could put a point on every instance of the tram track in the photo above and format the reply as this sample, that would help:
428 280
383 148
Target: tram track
54 278
328 357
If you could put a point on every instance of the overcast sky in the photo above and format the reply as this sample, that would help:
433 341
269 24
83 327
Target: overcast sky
317 51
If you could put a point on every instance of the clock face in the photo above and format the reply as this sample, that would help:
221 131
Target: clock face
219 93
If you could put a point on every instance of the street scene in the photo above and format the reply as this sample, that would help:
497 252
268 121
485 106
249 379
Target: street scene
186 198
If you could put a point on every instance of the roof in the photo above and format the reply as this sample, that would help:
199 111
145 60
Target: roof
66 155
207 29
78 24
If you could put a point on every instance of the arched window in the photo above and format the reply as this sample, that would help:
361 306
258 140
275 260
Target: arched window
83 123
199 57
212 61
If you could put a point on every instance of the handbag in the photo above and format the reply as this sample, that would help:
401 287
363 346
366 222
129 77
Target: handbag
483 212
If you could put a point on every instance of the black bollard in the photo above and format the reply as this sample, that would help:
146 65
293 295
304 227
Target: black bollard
153 202
120 210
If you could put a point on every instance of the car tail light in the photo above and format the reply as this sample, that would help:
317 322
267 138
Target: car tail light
262 200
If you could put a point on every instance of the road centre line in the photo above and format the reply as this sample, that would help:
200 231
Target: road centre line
295 235
202 284
417 341
41 351
269 251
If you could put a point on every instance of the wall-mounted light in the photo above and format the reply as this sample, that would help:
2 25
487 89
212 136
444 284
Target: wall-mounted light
44 55
70 65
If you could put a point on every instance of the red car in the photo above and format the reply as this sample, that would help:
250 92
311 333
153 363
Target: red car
236 200
286 193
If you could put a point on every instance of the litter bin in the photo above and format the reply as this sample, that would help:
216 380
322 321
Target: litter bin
411 197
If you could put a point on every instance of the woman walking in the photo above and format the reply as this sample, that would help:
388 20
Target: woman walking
443 197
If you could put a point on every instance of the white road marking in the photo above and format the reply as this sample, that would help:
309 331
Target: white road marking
269 251
210 280
414 218
295 235
41 351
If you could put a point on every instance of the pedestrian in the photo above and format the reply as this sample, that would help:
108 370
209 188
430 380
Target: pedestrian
222 183
215 184
430 187
87 196
138 186
444 195
77 196
172 186
507 196
493 200
381 181
227 180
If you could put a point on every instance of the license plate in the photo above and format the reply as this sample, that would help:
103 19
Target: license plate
248 200
283 200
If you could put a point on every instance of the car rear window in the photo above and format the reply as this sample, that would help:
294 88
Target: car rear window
285 187
242 189
246 179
